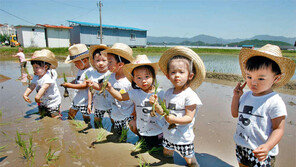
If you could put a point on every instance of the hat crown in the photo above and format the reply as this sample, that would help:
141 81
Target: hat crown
141 59
122 47
77 49
43 53
271 49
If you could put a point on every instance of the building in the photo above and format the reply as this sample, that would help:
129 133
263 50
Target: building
89 34
31 36
6 29
43 36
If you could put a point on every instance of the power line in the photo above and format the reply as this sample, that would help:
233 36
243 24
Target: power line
67 4
17 17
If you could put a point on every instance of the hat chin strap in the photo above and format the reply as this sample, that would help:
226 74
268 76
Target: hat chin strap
82 63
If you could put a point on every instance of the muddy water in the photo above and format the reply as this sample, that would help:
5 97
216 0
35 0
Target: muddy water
74 146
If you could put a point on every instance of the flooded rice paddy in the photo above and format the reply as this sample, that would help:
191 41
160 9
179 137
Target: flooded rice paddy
73 143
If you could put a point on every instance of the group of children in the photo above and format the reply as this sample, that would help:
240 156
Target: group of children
110 80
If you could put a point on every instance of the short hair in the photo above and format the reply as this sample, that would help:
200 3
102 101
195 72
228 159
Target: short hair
97 51
259 62
40 63
147 67
123 60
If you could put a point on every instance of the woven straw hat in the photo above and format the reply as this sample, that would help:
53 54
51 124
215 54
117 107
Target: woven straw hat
274 53
46 56
92 49
77 52
121 50
191 55
140 60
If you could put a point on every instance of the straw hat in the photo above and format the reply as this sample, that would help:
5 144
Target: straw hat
92 49
191 55
77 52
274 53
140 60
46 56
121 50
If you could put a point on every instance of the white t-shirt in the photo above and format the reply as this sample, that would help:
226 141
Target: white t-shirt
81 95
99 101
21 56
146 125
254 125
52 97
120 109
182 134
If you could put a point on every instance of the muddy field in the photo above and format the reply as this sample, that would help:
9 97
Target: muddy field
72 143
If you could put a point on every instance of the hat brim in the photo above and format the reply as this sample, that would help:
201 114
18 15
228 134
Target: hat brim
128 68
286 65
120 53
92 49
67 61
200 75
53 63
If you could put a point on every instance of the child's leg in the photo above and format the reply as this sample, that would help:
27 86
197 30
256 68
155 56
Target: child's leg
191 161
167 152
72 113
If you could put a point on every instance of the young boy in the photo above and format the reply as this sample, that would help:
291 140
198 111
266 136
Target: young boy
261 111
79 55
119 55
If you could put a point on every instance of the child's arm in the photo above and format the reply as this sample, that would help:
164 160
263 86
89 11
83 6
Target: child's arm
75 86
186 119
41 92
237 93
116 94
278 126
90 97
28 92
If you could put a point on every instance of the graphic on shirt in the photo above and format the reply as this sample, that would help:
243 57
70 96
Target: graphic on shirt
146 110
247 110
172 106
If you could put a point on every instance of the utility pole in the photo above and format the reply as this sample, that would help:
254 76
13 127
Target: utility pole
101 29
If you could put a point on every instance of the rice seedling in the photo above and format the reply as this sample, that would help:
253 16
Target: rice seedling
142 162
123 136
66 92
91 89
166 112
51 156
51 139
152 113
78 124
2 148
27 151
139 145
101 134
105 82
73 154
155 150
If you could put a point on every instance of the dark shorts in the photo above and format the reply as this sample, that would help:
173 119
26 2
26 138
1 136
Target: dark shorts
152 141
100 113
246 157
186 150
46 111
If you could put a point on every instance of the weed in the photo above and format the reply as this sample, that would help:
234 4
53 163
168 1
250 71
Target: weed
50 156
123 136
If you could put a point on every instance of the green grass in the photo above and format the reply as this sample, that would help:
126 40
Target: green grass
50 156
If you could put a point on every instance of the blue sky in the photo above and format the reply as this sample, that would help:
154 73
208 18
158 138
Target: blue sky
176 18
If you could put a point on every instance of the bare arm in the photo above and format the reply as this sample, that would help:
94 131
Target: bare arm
278 126
28 92
41 92
186 119
90 97
75 86
116 94
237 93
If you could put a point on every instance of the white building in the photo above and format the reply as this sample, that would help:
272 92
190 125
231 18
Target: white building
7 29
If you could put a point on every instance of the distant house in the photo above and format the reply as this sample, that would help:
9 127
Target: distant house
6 29
89 34
43 35
31 36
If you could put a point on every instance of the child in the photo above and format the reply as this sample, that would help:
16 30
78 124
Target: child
79 55
22 59
48 96
186 71
100 100
119 55
142 73
261 111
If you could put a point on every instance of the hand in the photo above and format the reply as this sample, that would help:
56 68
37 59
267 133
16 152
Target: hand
88 83
38 100
108 86
238 90
261 152
170 118
153 99
89 111
26 98
64 84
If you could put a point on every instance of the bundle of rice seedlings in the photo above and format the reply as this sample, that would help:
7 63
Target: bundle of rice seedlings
166 112
105 82
91 89
66 93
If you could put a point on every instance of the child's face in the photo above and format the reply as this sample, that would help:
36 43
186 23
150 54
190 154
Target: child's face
101 63
39 70
178 73
113 65
81 64
260 81
143 78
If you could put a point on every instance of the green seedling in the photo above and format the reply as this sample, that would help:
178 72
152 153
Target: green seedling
73 154
152 113
101 134
78 124
27 151
2 148
91 89
139 145
166 112
66 92
50 156
143 163
123 136
155 150
52 139
105 82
